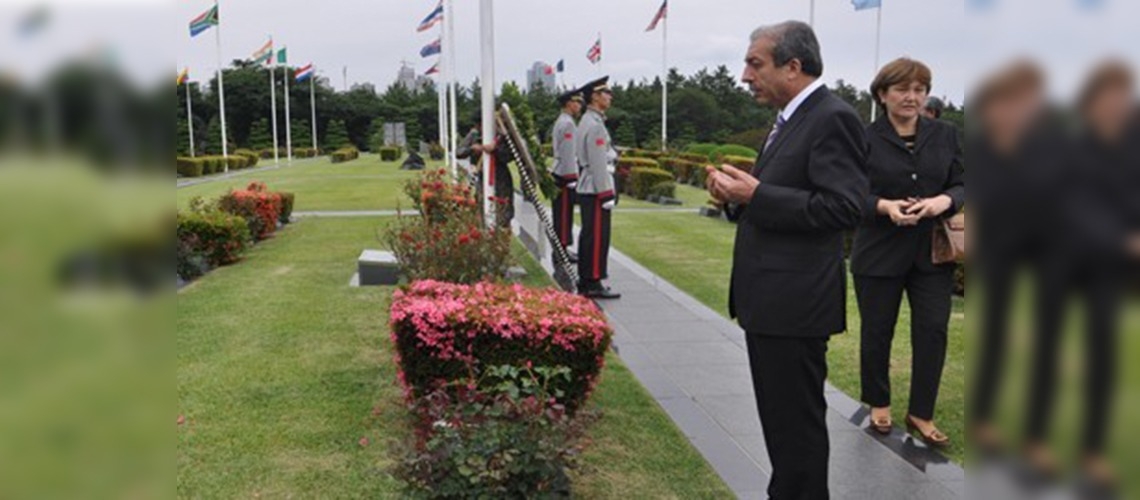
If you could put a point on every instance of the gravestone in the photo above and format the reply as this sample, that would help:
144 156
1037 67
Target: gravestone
377 267
394 134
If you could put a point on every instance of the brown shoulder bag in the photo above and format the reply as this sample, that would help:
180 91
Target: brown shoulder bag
949 243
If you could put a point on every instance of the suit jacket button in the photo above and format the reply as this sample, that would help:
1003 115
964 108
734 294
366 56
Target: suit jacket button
914 177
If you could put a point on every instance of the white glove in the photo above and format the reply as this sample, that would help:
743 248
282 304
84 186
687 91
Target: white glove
572 185
609 205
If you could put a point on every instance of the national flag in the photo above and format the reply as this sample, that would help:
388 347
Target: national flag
183 76
263 55
661 13
305 72
431 48
281 57
866 4
432 70
204 21
432 19
595 53
561 66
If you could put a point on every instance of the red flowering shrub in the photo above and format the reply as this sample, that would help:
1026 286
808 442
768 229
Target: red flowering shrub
446 332
260 208
448 240
208 238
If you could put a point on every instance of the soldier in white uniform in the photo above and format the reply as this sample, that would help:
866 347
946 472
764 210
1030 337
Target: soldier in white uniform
566 167
596 193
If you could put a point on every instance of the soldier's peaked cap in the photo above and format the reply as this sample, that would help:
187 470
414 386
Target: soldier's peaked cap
601 84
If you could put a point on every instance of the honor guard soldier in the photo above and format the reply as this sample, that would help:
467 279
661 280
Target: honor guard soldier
566 167
596 194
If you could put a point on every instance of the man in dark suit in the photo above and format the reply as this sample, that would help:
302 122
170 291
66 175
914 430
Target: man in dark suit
788 287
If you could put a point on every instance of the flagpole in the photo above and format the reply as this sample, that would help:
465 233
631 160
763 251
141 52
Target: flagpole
664 81
273 97
453 130
221 88
288 121
313 106
811 16
190 117
878 42
442 87
487 36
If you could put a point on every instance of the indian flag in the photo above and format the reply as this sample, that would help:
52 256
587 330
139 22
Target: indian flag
204 21
305 72
264 55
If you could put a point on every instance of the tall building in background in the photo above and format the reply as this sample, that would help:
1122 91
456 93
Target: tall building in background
408 78
541 73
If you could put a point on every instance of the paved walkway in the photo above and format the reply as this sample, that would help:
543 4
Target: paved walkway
694 362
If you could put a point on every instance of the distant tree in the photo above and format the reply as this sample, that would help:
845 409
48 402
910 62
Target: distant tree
259 136
336 136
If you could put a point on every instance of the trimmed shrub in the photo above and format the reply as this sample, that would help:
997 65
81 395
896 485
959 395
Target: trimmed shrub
304 152
446 332
390 153
637 162
682 170
189 167
641 179
251 157
345 154
753 138
260 208
703 149
696 158
510 440
733 150
742 162
208 238
236 162
286 206
642 153
667 189
700 177
435 151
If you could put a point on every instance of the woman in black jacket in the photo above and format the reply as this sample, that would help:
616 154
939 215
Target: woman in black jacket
916 172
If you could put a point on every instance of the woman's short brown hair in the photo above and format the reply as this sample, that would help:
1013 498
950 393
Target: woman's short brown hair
1108 75
901 70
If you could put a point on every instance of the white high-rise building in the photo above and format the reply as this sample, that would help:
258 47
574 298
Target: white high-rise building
541 73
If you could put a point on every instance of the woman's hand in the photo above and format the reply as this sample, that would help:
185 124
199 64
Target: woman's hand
897 211
930 207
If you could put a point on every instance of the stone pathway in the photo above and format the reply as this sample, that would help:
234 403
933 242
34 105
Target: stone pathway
695 364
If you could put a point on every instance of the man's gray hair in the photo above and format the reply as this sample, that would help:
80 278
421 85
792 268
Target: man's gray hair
793 40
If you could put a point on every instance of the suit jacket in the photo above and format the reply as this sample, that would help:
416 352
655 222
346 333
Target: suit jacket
788 273
881 248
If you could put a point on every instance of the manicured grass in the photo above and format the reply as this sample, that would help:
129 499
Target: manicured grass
283 369
362 184
695 254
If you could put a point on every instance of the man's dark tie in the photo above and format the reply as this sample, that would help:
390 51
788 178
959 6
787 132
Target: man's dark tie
775 131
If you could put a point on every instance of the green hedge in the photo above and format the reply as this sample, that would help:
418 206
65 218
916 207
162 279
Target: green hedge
251 157
304 152
287 200
208 239
642 179
666 189
742 162
345 154
733 150
637 162
703 149
642 153
696 158
189 167
237 162
389 153
699 178
683 170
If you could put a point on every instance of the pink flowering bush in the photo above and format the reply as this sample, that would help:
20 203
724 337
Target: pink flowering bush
446 332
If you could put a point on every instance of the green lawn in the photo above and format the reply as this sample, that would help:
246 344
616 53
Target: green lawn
695 254
282 369
362 184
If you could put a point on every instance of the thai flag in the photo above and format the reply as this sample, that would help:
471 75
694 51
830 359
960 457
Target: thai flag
661 13
305 72
432 19
431 48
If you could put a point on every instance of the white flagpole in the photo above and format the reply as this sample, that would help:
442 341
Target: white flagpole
190 117
288 121
441 113
221 88
273 98
443 85
878 42
487 36
453 130
313 106
811 16
664 81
